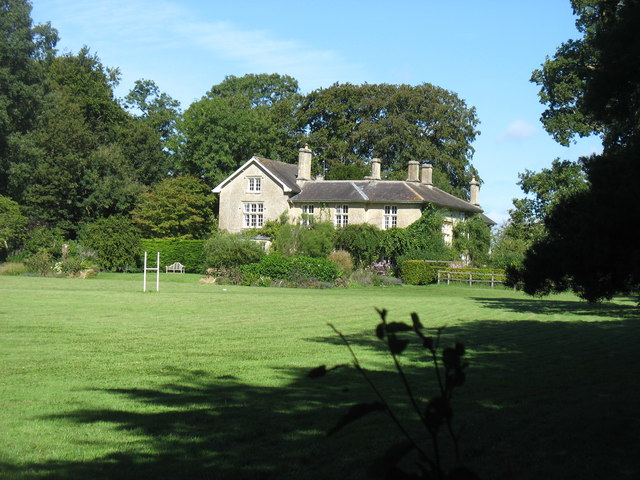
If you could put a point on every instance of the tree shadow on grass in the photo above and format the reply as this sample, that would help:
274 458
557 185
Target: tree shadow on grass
203 427
550 400
549 306
546 399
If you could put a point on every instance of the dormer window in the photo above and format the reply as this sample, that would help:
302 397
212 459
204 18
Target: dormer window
254 185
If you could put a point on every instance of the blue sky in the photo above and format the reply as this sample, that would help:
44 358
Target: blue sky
484 51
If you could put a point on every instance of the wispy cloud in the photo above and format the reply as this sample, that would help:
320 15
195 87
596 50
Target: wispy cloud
153 26
517 130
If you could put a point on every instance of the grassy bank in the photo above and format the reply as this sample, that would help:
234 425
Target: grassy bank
101 380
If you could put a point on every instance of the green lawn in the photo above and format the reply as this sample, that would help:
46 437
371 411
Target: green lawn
101 380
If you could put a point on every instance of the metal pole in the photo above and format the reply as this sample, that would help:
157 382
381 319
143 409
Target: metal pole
158 273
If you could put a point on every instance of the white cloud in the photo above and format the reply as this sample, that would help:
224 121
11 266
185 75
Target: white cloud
148 29
517 130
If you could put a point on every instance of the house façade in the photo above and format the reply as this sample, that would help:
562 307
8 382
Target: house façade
263 189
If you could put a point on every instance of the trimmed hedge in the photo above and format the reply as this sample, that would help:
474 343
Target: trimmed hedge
417 272
296 268
189 253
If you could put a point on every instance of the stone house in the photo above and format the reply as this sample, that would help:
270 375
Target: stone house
263 189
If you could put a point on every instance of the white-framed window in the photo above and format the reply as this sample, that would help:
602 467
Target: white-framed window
254 184
390 217
252 215
342 215
307 214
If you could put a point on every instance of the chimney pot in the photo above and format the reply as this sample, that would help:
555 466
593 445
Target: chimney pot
413 173
304 163
375 169
427 174
474 188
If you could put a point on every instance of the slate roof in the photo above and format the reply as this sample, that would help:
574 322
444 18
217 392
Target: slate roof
359 191
379 191
286 172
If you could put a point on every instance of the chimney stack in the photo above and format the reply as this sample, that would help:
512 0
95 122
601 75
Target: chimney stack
304 163
414 167
427 174
375 169
474 188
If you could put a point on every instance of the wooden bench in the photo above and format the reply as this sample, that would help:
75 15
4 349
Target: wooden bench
176 267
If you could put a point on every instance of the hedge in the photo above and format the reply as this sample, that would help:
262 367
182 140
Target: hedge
417 272
189 253
296 268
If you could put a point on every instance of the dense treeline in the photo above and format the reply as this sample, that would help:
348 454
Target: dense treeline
72 153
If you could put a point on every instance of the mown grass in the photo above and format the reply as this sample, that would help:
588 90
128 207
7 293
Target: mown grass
100 380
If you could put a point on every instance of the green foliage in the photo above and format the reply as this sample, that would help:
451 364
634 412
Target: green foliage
41 263
69 169
425 238
239 118
22 49
13 225
313 240
590 240
472 239
13 268
176 207
45 238
295 269
342 259
189 253
394 243
507 251
115 241
434 414
362 241
224 250
397 123
316 268
417 272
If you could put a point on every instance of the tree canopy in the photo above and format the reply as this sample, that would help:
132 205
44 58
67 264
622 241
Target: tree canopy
176 207
235 120
350 124
590 242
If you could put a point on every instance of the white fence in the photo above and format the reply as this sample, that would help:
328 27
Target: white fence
471 277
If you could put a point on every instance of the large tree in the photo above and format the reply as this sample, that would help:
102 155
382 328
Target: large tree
239 118
23 50
543 191
69 168
150 133
593 86
347 125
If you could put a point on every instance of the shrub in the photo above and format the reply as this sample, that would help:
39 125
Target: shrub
189 253
40 262
296 270
362 241
417 272
342 259
115 241
314 240
316 268
45 238
224 250
368 278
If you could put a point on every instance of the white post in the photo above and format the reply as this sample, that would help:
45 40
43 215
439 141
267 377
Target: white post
158 272
157 269
144 275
